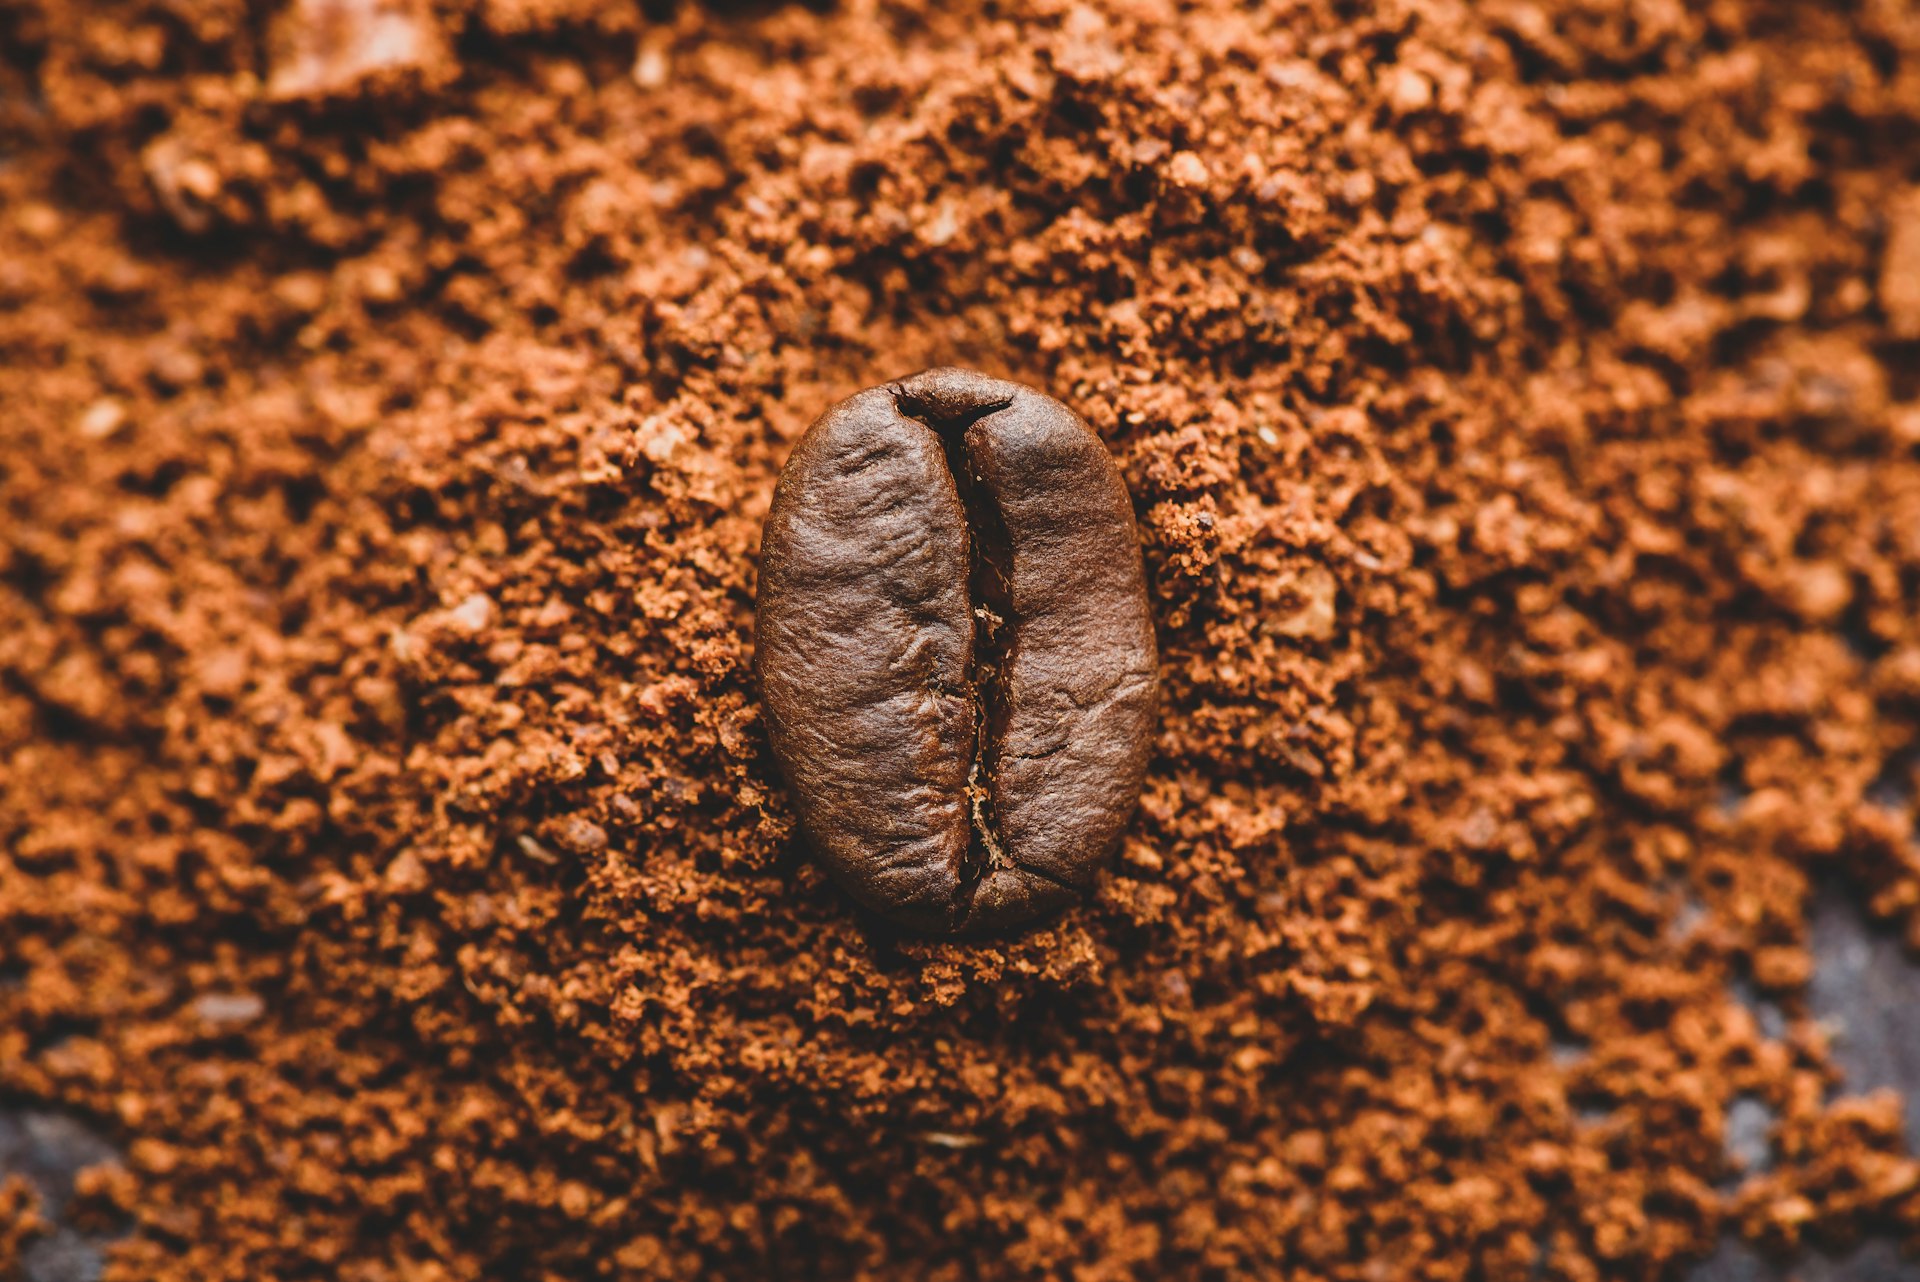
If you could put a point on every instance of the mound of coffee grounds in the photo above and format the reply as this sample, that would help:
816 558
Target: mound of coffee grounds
1520 402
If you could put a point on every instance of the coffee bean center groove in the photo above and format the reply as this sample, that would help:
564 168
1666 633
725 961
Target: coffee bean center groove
995 630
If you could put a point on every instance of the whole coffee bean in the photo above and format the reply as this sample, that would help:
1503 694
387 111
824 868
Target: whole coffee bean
954 649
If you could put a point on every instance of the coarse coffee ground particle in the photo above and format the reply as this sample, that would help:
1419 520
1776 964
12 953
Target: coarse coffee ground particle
1521 401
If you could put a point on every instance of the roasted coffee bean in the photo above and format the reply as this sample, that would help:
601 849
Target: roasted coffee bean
954 649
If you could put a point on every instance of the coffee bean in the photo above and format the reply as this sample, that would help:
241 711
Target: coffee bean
954 649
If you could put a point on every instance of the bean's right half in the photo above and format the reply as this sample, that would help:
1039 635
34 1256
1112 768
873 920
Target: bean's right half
955 651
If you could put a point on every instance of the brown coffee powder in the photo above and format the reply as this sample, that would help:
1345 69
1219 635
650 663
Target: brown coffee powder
1520 404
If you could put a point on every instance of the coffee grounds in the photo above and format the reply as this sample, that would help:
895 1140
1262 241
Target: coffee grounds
1520 400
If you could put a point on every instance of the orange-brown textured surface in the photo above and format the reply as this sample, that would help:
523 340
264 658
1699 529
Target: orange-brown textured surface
1520 403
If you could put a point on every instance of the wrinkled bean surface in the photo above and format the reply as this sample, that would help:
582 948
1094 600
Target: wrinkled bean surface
954 649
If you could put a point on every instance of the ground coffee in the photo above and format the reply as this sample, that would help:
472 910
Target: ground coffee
1518 398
